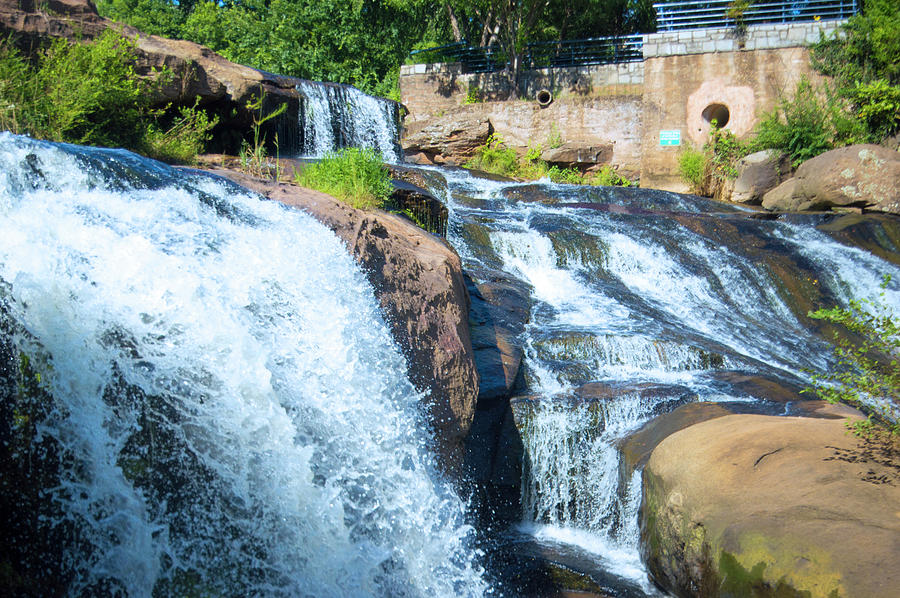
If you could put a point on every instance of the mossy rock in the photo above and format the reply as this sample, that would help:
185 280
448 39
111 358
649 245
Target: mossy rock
762 506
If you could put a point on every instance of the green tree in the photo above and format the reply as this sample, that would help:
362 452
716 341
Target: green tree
867 373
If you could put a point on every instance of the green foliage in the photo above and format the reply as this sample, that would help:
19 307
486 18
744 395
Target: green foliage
736 10
186 137
707 171
569 176
877 105
496 158
864 60
692 168
813 121
555 138
608 177
254 156
89 93
356 176
473 95
867 47
150 16
867 375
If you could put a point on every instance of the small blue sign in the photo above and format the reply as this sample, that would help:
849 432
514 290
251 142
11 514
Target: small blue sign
670 137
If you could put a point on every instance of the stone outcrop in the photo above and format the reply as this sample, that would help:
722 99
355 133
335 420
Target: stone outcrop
861 176
418 280
574 154
451 139
196 71
754 505
759 173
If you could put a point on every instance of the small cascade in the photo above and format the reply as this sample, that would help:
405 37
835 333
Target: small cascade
336 116
656 299
188 409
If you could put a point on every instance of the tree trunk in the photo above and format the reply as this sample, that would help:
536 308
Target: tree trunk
454 23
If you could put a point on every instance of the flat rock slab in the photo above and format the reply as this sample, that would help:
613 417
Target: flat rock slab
754 505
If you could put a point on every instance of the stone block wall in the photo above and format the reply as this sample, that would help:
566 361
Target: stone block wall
687 79
724 39
431 89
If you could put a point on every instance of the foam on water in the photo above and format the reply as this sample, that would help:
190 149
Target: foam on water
337 116
234 410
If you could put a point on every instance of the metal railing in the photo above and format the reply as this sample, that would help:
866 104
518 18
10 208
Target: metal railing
577 52
700 14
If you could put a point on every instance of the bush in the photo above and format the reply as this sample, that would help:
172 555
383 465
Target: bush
867 374
608 177
496 158
813 121
707 171
356 176
90 94
692 168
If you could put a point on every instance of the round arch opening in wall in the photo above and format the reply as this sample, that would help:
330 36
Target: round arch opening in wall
718 113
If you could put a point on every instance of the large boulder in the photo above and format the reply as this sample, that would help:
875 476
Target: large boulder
862 176
451 139
576 154
755 505
418 280
759 173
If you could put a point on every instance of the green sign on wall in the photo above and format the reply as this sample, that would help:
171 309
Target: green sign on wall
670 137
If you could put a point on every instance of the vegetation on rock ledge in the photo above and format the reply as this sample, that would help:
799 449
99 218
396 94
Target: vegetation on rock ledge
356 176
89 93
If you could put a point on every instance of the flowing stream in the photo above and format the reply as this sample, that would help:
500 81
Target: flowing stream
642 301
201 397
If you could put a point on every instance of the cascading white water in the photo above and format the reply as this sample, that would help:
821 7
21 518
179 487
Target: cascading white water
234 417
337 116
649 294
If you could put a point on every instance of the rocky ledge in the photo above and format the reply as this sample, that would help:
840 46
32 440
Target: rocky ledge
418 280
764 506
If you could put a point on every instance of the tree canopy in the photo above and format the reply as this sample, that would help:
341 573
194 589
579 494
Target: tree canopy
364 42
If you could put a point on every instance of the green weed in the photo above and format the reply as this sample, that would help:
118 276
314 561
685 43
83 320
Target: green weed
356 176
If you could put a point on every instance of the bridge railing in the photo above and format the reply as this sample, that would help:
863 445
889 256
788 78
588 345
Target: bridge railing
701 14
576 52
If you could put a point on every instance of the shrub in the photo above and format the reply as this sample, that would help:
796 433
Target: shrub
356 176
89 93
608 177
813 121
867 375
495 157
692 168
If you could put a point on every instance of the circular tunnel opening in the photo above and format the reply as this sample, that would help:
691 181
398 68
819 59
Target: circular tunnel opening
718 113
544 97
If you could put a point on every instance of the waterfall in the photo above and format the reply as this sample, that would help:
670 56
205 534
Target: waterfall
201 396
659 299
336 116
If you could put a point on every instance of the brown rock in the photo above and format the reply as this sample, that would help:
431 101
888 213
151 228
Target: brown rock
759 173
451 139
574 154
772 506
865 176
418 280
784 197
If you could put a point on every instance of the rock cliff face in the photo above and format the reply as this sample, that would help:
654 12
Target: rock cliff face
418 280
752 505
